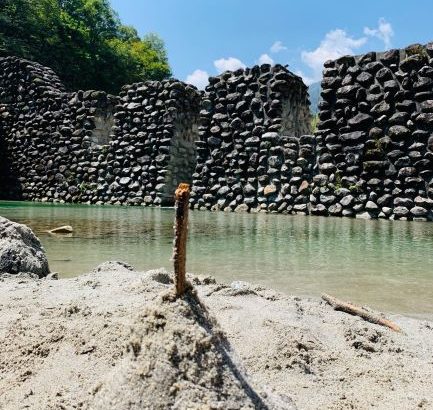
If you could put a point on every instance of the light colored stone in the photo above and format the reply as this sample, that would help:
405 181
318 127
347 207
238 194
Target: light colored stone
270 190
364 215
62 230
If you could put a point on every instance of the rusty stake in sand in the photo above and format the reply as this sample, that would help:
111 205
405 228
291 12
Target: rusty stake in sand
180 236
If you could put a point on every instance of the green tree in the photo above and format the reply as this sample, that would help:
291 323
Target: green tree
83 41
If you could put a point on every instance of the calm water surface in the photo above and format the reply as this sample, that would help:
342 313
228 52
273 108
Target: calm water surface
387 265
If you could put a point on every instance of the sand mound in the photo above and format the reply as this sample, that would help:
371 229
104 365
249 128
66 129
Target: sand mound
108 340
179 360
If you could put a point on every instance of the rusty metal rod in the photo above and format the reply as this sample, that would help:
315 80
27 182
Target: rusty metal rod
180 237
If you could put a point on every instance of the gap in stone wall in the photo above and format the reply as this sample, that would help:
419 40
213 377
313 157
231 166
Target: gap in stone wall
296 117
183 155
103 123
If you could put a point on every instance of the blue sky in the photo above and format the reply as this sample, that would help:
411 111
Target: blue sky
205 37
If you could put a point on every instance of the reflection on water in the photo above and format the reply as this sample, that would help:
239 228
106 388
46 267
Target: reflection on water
388 265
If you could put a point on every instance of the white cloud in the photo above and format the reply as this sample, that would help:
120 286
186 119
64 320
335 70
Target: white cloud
307 79
199 78
228 64
335 44
277 47
266 59
383 32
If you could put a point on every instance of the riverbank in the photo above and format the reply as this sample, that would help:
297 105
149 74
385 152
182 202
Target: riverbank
113 338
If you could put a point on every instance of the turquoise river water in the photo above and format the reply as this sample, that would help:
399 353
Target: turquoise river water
383 264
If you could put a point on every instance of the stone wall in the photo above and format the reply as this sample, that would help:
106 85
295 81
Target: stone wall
22 86
89 146
252 154
244 143
135 148
375 143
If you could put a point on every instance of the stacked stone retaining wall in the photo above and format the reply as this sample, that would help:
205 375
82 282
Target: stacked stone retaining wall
135 148
89 146
375 143
244 143
253 152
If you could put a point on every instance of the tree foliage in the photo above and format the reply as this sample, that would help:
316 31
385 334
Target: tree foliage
83 41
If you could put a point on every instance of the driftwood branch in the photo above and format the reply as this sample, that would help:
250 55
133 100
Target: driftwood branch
358 311
180 237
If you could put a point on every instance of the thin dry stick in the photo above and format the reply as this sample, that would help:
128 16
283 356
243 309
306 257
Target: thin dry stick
357 311
180 237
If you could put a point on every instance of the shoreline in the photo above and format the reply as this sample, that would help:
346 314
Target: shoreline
254 211
64 337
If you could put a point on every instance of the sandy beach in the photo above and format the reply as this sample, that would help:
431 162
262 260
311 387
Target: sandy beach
117 339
